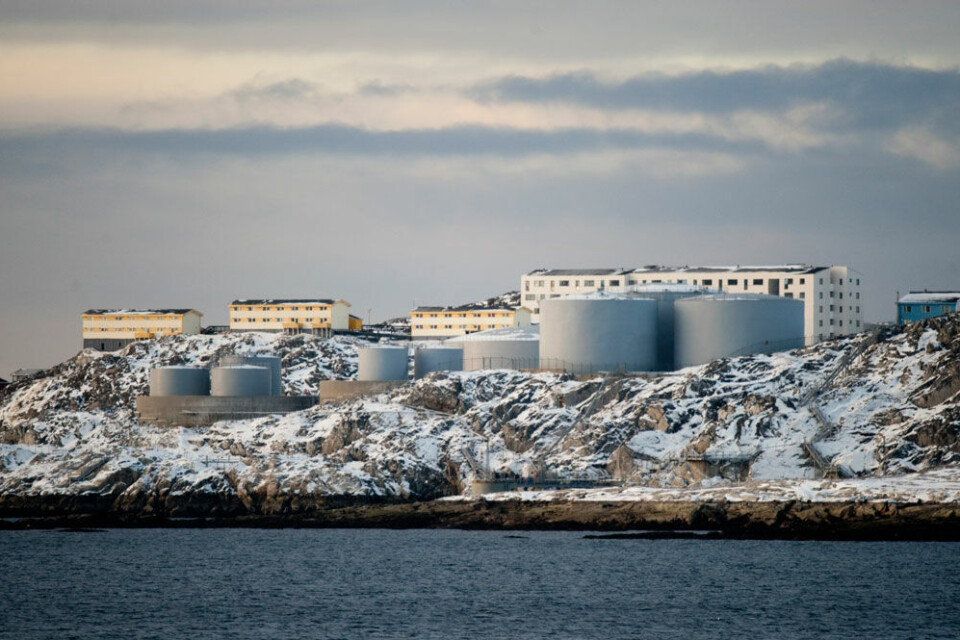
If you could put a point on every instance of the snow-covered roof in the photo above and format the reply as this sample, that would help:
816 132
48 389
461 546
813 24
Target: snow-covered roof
928 297
286 301
578 272
788 268
506 333
134 312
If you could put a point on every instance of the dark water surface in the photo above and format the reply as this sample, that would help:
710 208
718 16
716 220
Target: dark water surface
296 584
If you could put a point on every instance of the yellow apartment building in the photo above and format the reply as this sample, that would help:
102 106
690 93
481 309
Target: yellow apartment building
446 322
112 329
314 315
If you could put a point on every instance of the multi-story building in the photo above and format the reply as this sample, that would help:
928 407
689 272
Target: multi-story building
313 315
112 329
831 295
920 305
447 322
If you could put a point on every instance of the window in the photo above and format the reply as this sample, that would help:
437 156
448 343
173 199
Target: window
564 283
759 281
858 323
707 282
831 308
926 308
821 280
831 322
530 296
821 295
944 308
858 295
614 283
841 295
858 309
907 308
803 281
526 285
858 282
589 283
821 324
831 294
788 295
789 281
731 281
841 323
802 295
694 282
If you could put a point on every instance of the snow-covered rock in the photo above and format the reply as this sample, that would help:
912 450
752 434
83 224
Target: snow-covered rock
892 409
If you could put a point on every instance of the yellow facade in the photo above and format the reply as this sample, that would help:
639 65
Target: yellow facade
432 322
137 325
291 315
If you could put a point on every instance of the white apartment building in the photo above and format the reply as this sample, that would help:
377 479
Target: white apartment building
831 295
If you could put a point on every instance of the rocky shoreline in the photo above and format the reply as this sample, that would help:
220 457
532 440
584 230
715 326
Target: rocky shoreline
789 520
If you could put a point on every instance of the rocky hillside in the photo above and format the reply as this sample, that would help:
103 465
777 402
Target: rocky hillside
872 405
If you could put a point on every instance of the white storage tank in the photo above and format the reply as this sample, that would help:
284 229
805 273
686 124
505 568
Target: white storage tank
429 359
179 381
381 363
506 348
240 381
273 363
729 325
666 295
598 332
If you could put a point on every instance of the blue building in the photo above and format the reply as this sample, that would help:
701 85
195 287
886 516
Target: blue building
920 305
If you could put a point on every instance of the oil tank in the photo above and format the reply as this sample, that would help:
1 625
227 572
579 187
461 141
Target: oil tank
429 359
598 332
666 295
273 363
506 348
382 363
179 381
240 381
722 325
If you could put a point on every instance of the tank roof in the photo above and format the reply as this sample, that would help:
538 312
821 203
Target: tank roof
730 297
598 295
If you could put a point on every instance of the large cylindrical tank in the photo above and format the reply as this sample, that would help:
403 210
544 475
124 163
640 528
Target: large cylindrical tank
598 332
666 295
179 381
507 348
273 363
382 363
722 326
240 381
429 359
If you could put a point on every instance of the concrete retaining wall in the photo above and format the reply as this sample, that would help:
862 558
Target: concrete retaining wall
339 390
202 411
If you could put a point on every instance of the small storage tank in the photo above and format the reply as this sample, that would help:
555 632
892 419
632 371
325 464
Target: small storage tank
598 332
429 359
729 325
666 295
273 363
240 381
506 348
179 381
382 363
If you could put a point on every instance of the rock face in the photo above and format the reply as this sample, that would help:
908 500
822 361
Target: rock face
70 438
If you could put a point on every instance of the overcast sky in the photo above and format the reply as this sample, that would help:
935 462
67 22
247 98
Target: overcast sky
184 154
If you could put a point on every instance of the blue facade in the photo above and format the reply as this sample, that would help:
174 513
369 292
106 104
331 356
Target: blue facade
912 308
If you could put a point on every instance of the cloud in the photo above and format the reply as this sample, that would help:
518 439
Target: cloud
283 90
345 140
865 95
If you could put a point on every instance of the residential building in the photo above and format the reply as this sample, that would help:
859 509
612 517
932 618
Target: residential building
447 322
310 315
920 305
832 295
112 329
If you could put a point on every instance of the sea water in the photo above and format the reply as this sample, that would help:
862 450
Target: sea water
292 584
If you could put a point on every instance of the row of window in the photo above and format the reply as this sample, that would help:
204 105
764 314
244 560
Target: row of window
473 314
280 308
926 308
473 327
850 324
169 330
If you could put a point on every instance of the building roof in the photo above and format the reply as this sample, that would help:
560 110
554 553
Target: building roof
506 333
928 297
286 301
788 268
578 272
25 372
130 312
463 307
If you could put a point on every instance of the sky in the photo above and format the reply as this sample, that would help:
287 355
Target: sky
393 154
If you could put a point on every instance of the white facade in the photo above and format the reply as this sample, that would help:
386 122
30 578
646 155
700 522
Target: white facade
831 295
